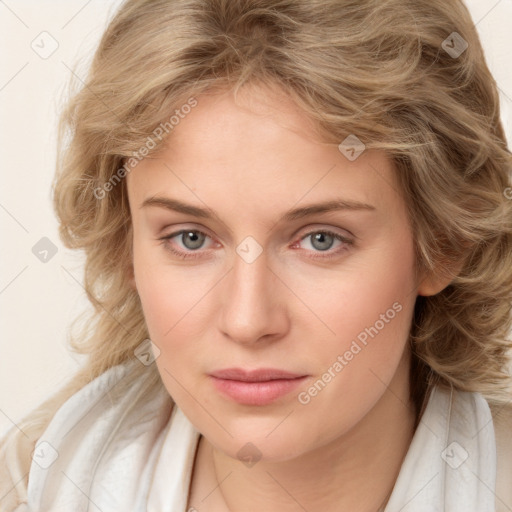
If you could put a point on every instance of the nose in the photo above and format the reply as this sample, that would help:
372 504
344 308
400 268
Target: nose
253 305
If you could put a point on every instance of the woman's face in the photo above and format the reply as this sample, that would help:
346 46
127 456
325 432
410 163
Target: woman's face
240 267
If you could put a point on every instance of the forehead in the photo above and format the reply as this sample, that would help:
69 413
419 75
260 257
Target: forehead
259 147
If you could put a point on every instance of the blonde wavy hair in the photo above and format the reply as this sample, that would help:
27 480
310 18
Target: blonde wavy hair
379 69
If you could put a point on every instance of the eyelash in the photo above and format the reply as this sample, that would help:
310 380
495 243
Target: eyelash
197 254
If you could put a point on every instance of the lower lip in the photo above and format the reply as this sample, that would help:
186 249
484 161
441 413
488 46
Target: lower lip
257 393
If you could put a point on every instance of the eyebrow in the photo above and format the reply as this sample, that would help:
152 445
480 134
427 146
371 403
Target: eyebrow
294 214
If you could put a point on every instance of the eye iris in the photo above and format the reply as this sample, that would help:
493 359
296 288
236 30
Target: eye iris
321 239
197 239
194 239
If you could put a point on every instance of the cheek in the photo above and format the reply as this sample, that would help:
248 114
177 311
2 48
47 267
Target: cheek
371 314
175 319
369 298
355 365
169 294
173 309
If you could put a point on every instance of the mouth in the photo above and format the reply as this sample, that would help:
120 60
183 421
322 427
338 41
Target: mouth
261 386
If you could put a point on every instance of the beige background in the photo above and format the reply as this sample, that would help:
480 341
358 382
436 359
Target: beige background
39 300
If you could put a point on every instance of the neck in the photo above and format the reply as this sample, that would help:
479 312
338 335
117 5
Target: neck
356 471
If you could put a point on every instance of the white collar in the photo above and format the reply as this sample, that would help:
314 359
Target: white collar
132 453
451 462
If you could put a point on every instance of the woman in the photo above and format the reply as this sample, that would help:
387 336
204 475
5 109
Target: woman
298 230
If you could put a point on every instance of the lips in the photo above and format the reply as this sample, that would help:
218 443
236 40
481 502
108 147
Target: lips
261 386
258 375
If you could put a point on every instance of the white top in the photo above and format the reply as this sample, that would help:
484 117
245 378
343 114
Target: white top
127 451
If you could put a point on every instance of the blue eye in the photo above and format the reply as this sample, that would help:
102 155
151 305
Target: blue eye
192 240
323 240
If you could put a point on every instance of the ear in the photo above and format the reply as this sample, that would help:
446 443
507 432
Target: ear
131 281
435 281
130 276
432 285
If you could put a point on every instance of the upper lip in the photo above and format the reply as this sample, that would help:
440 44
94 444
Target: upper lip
256 375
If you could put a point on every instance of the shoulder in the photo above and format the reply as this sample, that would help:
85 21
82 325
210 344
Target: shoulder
65 407
502 418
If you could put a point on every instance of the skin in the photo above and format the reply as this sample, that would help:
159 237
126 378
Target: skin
250 161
